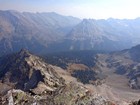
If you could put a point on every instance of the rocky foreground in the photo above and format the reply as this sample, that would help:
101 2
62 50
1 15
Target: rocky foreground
27 79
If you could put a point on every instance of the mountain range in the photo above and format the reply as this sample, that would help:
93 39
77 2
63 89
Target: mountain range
51 59
51 32
34 31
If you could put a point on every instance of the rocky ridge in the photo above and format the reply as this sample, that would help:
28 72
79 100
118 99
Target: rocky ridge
28 79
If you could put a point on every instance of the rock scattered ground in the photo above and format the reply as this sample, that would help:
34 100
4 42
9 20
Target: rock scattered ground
43 83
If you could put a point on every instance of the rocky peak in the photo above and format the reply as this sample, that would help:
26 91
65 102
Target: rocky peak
88 20
28 72
24 53
87 29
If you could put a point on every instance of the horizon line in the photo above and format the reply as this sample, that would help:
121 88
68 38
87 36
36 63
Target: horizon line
35 12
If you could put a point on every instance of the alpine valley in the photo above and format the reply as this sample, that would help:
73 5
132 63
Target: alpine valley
51 59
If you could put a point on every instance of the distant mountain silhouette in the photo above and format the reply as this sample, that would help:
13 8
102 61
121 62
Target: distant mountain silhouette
51 32
34 31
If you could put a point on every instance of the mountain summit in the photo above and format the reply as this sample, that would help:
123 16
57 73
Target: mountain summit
28 72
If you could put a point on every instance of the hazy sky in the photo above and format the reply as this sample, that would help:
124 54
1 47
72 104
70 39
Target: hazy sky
78 8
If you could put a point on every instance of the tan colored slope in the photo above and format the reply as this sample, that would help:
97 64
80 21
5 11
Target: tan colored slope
116 86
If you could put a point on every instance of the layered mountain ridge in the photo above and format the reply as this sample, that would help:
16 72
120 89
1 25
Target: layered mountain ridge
32 31
51 32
